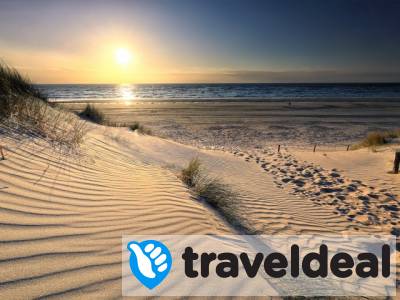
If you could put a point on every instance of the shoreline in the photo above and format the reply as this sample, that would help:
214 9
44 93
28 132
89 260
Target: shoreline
232 100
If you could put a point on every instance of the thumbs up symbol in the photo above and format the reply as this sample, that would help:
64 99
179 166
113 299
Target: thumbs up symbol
150 262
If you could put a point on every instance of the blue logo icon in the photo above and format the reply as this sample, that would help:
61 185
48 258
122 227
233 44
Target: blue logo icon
150 262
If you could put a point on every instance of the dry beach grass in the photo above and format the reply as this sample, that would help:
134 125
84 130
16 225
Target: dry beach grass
25 111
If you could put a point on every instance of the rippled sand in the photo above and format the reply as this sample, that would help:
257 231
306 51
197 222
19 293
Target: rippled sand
62 217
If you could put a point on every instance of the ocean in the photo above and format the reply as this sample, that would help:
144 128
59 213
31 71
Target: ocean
221 92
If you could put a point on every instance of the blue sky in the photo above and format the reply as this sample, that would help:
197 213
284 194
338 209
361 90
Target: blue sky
204 40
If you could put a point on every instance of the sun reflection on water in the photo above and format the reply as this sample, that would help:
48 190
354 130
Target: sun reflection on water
127 93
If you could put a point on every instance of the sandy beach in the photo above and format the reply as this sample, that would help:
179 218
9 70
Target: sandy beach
63 216
251 124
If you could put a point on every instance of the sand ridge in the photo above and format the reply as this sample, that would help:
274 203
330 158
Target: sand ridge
359 202
63 217
61 229
263 203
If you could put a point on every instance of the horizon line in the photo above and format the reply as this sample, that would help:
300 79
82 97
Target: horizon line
233 83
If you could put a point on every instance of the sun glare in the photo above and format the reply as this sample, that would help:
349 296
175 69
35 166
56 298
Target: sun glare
123 56
127 92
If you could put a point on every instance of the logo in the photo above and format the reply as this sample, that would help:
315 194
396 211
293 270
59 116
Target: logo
259 265
150 262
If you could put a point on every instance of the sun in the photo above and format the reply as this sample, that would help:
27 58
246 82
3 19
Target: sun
123 56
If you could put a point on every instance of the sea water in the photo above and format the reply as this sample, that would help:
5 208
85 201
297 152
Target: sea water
295 92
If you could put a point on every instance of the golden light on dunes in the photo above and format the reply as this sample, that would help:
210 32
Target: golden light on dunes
123 56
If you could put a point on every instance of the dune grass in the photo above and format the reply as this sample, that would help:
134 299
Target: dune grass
93 114
378 138
135 126
18 96
191 173
139 128
25 111
13 83
215 193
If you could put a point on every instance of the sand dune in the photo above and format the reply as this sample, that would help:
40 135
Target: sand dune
372 167
264 205
63 217
366 199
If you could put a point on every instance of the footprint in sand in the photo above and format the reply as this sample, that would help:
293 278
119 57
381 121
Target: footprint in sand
352 198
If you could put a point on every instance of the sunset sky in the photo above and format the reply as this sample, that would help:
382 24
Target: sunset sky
202 41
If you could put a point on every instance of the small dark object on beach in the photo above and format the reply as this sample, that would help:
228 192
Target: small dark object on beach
396 162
